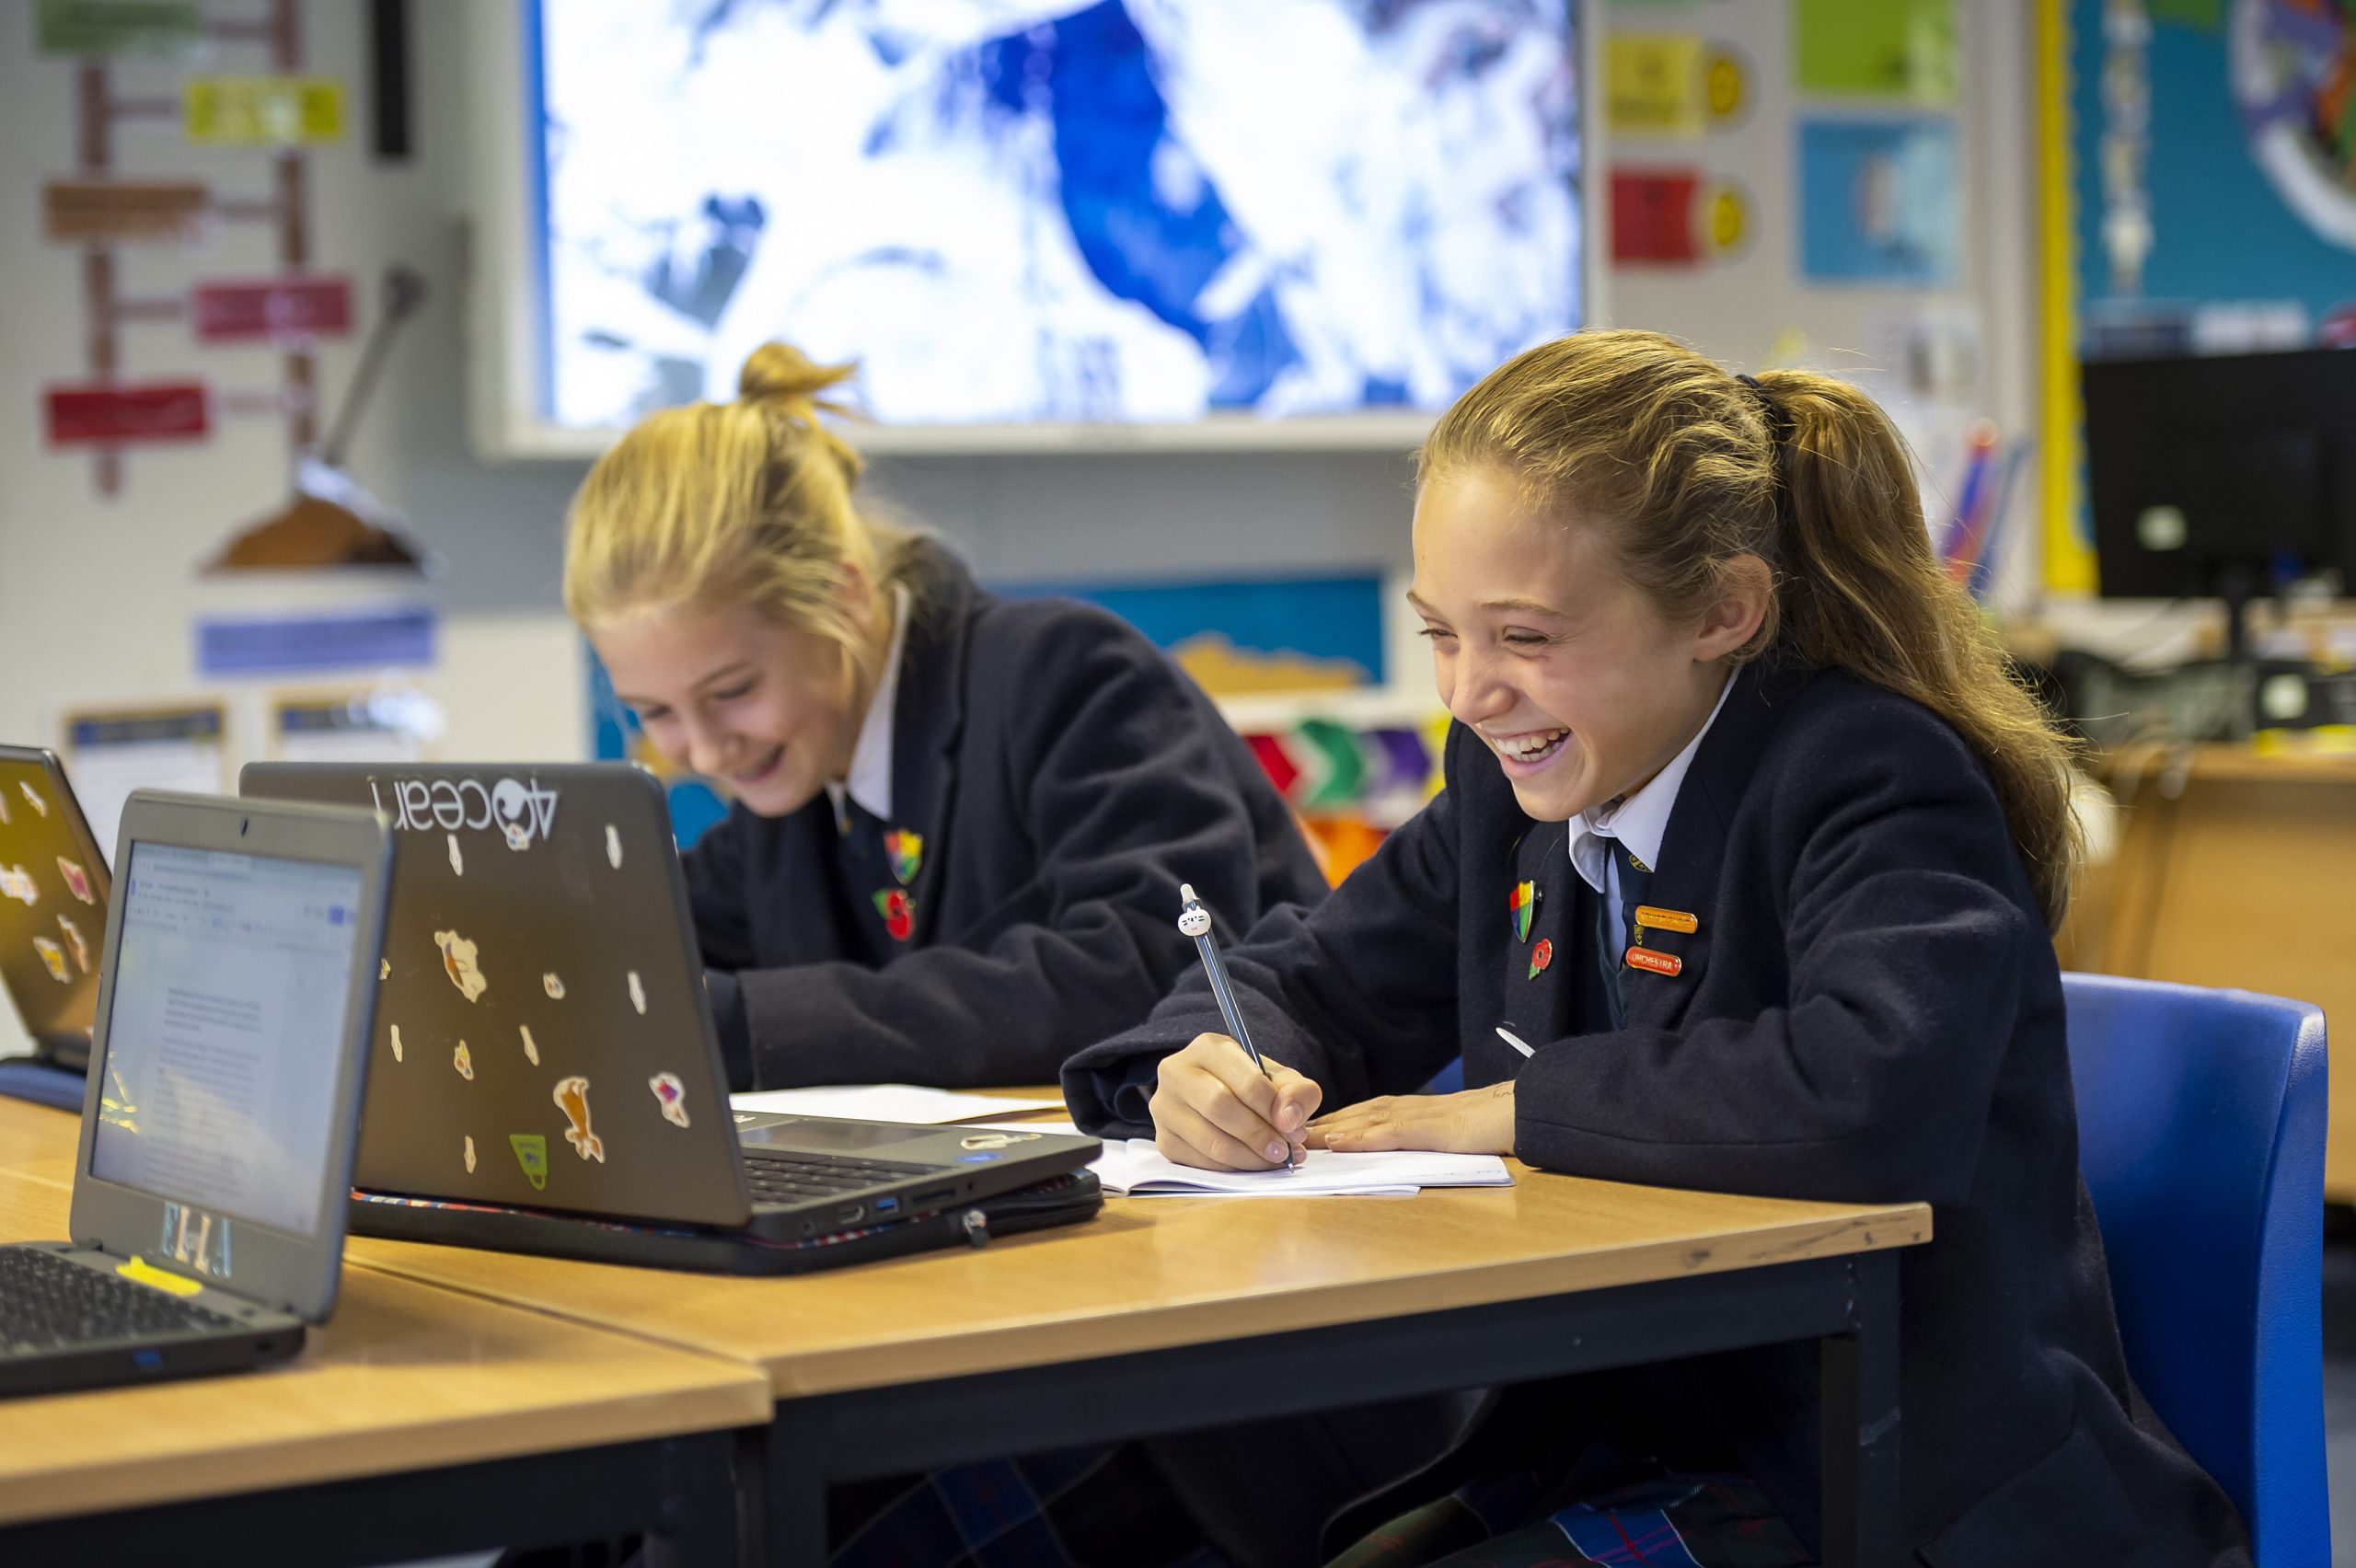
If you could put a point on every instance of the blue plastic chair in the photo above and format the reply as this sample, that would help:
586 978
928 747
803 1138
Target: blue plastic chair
2200 1130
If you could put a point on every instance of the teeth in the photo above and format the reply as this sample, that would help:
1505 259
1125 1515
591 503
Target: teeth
1523 747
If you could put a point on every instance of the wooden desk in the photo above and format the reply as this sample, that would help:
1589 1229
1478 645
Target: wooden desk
417 1421
1170 1313
39 1144
2236 870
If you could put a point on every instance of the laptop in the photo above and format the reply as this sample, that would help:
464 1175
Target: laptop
543 1045
217 1120
54 888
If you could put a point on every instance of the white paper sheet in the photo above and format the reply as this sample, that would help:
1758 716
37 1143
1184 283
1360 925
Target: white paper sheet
887 1102
1137 1168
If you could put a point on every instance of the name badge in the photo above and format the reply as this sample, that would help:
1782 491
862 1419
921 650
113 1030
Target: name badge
1652 919
1657 963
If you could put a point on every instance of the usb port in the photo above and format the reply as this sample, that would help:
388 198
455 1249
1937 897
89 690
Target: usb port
887 1206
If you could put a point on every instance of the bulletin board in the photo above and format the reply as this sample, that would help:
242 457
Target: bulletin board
1800 183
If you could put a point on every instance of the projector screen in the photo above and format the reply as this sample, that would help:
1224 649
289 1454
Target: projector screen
1220 218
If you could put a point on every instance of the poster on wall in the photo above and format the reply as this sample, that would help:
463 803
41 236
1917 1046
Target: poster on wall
1901 49
1880 201
2217 198
111 752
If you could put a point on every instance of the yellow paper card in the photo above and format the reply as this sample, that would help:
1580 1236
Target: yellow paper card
1653 84
262 111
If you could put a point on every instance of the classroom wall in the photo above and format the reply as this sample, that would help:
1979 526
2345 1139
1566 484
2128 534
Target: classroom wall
97 597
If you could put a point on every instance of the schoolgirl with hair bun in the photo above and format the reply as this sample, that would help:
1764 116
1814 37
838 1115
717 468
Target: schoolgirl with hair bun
1743 879
958 822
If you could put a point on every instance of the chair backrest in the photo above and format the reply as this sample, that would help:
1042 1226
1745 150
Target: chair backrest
2200 1130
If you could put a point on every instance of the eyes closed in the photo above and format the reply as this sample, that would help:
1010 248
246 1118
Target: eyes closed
1512 636
654 712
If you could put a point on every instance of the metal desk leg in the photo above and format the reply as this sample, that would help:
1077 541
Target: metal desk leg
793 1534
1859 1423
699 1525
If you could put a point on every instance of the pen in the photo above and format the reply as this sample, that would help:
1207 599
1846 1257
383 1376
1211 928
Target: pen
1196 921
1511 1038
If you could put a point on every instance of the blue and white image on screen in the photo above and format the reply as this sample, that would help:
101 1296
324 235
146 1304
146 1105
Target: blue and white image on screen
1129 211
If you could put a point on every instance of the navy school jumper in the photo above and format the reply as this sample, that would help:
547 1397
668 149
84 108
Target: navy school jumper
1064 778
1870 1011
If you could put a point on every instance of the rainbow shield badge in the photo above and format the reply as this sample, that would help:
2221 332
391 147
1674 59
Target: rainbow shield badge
906 851
1523 903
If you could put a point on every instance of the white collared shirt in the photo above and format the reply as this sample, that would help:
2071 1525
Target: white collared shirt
870 780
1639 821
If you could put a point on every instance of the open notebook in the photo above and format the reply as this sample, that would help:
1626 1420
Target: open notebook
1137 1169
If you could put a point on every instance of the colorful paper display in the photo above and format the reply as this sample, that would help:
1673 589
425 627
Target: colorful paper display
262 111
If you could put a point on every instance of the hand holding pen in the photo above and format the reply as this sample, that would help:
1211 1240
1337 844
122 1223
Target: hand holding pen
1219 1103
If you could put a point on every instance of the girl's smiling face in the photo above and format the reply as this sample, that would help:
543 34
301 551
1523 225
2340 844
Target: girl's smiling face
1570 674
770 711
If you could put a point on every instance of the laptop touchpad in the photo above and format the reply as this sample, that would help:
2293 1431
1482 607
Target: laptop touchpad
812 1131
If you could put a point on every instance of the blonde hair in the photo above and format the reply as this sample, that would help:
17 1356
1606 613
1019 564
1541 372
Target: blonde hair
746 502
1688 467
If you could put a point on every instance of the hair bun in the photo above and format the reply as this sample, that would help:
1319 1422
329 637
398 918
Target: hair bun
783 380
782 374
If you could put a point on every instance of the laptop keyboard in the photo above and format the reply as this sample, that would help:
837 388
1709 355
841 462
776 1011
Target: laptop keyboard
779 1178
50 1303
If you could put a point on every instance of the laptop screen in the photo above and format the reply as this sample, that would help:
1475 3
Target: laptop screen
229 995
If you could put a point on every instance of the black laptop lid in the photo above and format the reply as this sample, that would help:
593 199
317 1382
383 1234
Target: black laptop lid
541 1037
53 904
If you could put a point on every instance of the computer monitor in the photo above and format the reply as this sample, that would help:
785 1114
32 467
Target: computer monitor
2227 476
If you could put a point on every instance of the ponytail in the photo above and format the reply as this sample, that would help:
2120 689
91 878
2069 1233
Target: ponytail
1690 467
747 502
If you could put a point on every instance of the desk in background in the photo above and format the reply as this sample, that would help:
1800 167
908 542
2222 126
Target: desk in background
2234 869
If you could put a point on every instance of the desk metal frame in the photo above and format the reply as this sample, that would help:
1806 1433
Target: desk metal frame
1848 1304
680 1492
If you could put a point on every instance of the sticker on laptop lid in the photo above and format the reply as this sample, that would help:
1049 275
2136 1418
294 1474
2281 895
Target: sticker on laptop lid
33 795
141 1271
18 884
73 935
531 1050
553 986
532 1154
458 963
470 1154
77 881
457 857
571 1097
672 1095
53 957
4 810
614 846
384 968
637 992
396 1040
464 1060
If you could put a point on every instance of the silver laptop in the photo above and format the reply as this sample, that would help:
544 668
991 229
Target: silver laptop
54 888
217 1122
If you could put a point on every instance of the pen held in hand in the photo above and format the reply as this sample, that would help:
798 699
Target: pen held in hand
1196 921
1511 1038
